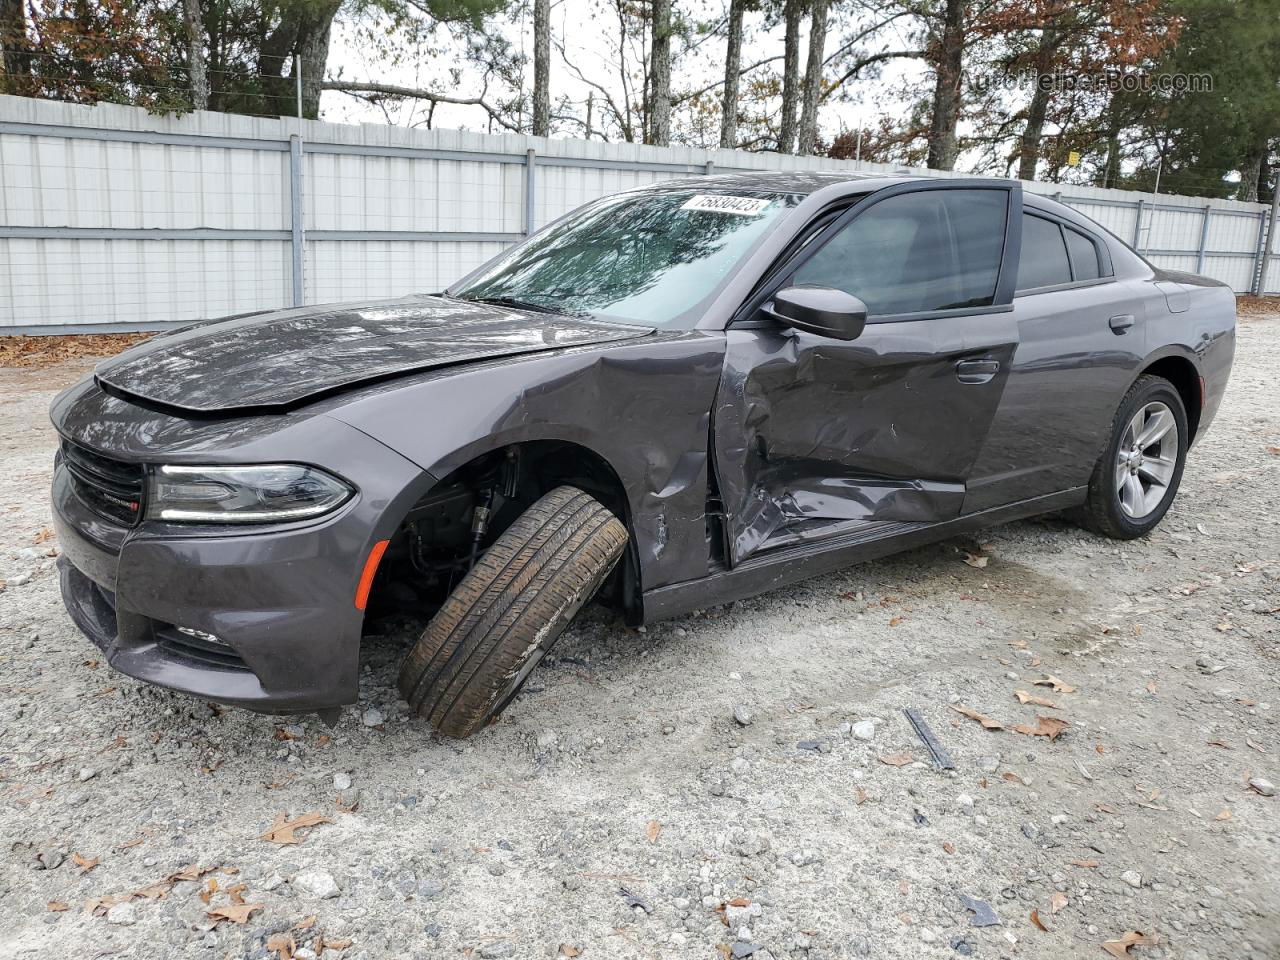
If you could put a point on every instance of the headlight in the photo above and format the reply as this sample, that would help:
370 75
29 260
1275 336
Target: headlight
265 493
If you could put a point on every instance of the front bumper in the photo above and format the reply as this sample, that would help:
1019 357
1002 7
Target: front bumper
280 600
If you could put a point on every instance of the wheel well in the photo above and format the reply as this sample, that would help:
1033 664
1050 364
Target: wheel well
437 540
1181 372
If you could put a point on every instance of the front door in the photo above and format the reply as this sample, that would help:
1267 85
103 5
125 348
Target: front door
815 437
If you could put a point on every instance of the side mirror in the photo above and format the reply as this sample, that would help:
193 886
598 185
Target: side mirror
822 310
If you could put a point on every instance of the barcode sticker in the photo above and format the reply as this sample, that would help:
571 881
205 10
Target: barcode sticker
722 203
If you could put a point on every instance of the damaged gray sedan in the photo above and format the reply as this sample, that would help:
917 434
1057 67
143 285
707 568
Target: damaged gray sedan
670 398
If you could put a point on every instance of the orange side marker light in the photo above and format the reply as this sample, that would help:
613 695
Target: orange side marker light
366 576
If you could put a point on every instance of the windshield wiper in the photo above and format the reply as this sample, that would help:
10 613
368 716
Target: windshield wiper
513 302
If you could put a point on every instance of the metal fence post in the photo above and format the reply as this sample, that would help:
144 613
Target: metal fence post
530 184
709 168
1264 264
297 238
1137 224
1204 237
1255 276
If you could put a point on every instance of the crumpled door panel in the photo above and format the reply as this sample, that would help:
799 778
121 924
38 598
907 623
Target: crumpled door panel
813 434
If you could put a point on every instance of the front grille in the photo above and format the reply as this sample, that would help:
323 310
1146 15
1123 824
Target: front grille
112 488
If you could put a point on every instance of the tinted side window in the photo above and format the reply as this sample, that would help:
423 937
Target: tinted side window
932 250
1044 254
1084 256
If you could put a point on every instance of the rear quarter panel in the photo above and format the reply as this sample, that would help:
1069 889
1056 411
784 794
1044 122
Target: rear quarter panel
1204 332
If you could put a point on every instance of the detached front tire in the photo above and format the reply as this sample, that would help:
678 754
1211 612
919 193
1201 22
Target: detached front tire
509 610
1137 476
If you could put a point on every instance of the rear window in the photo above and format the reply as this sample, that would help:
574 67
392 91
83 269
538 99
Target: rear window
1085 264
1044 260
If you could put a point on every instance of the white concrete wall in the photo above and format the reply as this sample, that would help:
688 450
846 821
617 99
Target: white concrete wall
234 184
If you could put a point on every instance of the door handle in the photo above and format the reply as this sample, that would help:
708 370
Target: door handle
1121 323
977 371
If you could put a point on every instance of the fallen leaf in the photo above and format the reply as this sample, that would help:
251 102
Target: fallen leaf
282 945
1108 808
895 621
1057 900
1246 701
859 796
1024 697
306 923
283 734
653 830
1012 777
1035 918
1151 686
1131 938
131 843
323 740
987 722
1049 727
57 906
1255 746
1224 815
1220 743
283 830
1087 864
897 759
566 950
976 560
84 863
338 944
949 847
236 893
1058 685
235 912
1099 748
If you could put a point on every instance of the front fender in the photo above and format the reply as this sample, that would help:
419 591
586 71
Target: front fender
643 406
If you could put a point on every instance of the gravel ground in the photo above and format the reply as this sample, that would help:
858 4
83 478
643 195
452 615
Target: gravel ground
740 782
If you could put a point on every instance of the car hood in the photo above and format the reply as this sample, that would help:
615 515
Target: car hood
277 360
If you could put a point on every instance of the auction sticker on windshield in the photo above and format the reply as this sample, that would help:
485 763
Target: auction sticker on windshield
721 203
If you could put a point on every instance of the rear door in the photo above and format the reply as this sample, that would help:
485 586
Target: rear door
1081 336
816 437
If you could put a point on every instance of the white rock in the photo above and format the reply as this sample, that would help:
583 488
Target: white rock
740 916
372 717
124 914
1132 877
864 729
272 882
739 765
1264 787
86 774
342 781
317 884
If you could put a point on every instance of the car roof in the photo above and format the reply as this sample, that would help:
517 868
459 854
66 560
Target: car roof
781 181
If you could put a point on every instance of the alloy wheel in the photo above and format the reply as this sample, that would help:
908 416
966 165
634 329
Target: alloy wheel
1146 459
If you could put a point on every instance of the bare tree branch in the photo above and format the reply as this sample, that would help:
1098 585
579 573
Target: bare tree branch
392 90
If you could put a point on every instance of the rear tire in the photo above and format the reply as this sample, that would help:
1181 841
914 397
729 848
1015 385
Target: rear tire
509 609
1136 478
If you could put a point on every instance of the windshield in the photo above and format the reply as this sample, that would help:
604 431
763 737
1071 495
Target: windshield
650 258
